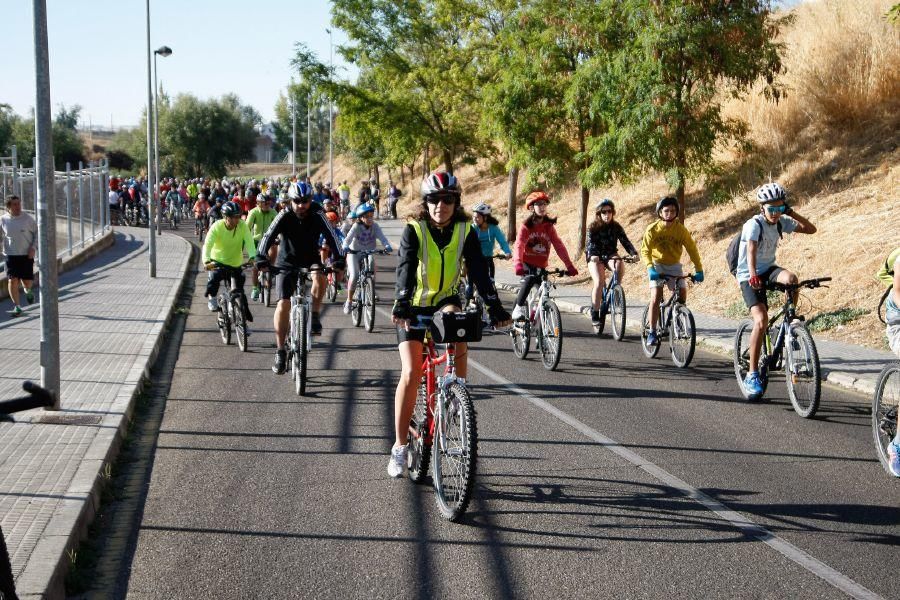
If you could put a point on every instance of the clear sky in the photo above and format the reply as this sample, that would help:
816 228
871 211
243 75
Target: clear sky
98 51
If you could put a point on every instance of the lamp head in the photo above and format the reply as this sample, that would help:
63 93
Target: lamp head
163 51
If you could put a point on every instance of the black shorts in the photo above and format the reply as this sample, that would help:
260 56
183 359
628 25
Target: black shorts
752 296
20 267
286 281
418 335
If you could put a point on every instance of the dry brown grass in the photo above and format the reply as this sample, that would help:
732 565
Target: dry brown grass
833 142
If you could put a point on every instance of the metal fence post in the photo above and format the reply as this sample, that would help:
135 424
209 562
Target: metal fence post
69 207
91 178
81 199
15 176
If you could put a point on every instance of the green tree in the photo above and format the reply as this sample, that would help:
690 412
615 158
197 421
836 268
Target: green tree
206 137
660 92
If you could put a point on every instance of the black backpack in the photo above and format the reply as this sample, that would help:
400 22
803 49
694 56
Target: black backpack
734 247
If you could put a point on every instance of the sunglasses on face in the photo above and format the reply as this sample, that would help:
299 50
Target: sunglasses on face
540 204
776 209
301 200
606 212
434 200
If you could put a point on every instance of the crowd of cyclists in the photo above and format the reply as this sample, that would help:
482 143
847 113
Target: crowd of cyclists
285 225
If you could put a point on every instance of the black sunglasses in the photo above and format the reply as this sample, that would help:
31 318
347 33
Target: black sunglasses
446 199
301 200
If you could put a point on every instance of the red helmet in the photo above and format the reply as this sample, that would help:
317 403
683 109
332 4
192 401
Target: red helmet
534 197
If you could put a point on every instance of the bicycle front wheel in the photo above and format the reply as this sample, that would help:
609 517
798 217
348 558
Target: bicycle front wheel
298 348
223 320
369 304
418 444
682 336
521 339
617 312
240 324
885 404
356 308
552 333
265 292
802 371
454 453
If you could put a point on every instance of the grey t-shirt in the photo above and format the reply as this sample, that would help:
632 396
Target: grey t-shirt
19 234
768 244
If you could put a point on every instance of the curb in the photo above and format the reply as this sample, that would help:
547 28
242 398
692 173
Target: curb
63 264
842 379
45 572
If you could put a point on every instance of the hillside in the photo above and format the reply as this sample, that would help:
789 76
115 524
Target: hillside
833 142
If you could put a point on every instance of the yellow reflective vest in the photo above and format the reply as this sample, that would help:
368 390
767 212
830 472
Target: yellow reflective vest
438 274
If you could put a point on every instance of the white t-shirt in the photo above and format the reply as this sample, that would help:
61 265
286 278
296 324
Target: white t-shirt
767 236
113 197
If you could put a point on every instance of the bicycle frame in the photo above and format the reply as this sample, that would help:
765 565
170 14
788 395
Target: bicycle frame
431 360
667 307
300 297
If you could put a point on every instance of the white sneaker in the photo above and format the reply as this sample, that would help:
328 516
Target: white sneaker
397 463
212 304
519 313
347 307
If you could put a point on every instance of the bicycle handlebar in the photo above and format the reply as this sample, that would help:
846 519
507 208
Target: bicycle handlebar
806 283
37 398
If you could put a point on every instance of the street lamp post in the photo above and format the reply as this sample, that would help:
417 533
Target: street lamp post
330 110
161 51
308 131
293 130
150 182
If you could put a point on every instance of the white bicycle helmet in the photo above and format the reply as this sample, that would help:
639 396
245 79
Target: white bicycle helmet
482 209
771 192
440 182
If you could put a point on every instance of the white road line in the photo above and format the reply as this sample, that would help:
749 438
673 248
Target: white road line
746 525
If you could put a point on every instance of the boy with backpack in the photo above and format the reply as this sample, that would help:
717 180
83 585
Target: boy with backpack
751 259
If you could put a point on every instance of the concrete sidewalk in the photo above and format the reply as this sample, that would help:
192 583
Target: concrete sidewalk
112 321
853 367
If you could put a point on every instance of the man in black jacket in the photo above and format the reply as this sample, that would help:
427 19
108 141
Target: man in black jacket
300 226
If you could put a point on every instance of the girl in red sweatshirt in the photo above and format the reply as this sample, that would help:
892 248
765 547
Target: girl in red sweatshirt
532 250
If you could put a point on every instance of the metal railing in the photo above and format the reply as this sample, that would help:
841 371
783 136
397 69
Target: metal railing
82 206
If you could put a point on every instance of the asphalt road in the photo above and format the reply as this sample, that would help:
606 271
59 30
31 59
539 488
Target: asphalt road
615 476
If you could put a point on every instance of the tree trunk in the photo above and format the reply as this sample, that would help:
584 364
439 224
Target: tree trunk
679 195
377 176
582 220
511 205
426 159
447 156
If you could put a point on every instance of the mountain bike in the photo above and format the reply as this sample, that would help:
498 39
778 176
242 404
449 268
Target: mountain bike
787 344
613 300
299 342
233 308
543 322
885 404
443 429
362 305
676 322
474 301
36 398
201 224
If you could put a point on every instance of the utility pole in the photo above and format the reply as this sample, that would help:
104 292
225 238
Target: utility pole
330 111
150 182
46 207
293 130
308 137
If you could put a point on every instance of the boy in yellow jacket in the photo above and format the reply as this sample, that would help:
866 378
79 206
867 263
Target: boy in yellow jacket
661 249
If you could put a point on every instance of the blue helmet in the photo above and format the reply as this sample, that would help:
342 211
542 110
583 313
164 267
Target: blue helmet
362 209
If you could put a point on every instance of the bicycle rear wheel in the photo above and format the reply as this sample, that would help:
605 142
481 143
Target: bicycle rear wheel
265 284
455 453
650 350
520 335
802 371
885 404
369 303
552 333
617 312
682 336
331 289
240 324
419 447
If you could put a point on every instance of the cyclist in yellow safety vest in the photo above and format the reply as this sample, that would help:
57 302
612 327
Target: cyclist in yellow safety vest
433 249
227 242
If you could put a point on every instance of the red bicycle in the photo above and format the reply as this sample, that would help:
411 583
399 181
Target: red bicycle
443 428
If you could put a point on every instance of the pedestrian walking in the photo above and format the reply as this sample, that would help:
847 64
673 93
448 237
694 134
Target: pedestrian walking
18 233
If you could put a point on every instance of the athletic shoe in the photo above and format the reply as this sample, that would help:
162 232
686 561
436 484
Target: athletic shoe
397 461
347 307
652 338
316 326
893 451
254 294
595 317
29 295
212 304
16 311
280 364
753 385
519 313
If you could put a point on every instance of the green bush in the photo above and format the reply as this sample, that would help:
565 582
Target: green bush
830 320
